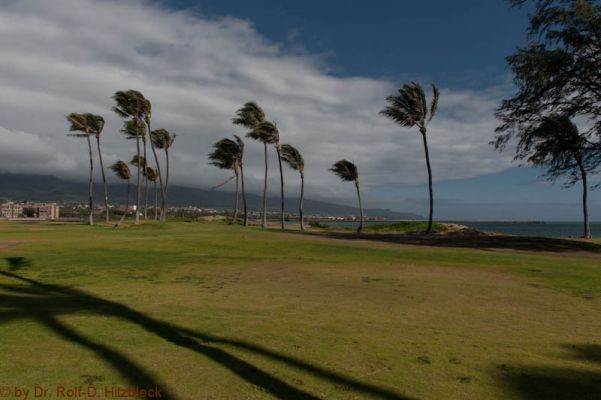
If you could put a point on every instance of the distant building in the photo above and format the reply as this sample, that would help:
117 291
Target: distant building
12 210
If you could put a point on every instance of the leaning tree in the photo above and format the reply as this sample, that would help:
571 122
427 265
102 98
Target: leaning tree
347 171
87 125
163 139
295 160
152 176
227 155
409 108
132 105
122 171
250 116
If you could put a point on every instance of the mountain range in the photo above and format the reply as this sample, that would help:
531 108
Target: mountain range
20 187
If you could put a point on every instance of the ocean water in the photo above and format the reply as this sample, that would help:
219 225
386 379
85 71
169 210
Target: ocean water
517 228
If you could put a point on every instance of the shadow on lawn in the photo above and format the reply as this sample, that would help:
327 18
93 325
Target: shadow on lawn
543 383
45 302
473 241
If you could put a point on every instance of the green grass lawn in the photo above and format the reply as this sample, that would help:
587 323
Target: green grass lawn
215 311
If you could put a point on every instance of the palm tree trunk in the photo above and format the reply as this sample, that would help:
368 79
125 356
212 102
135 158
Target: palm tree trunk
281 185
163 193
587 227
106 188
166 180
360 228
156 201
145 182
300 206
91 201
235 217
243 195
429 229
126 203
265 191
138 187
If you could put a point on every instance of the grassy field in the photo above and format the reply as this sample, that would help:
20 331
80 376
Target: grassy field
213 311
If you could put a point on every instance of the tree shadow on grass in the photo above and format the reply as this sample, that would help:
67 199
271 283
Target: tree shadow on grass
472 241
545 383
44 303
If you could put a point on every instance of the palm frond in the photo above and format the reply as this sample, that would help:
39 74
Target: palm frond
162 138
121 170
409 107
265 132
227 154
134 161
345 170
434 103
293 157
249 116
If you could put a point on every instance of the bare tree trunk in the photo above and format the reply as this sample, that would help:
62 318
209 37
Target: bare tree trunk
156 201
235 217
106 188
163 193
145 180
91 201
243 195
587 227
300 206
429 229
360 228
126 203
166 181
281 185
138 187
265 191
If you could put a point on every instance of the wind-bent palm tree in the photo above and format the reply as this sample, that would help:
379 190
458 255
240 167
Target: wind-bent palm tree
409 108
347 171
132 104
163 139
295 160
81 123
250 116
152 176
122 171
240 144
227 155
95 125
147 120
267 133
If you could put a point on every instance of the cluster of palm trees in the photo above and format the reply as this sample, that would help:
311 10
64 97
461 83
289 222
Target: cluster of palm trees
228 154
136 111
407 108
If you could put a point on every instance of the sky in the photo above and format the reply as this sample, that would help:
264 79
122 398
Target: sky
321 71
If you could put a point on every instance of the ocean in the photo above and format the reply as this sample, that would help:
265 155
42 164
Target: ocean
516 228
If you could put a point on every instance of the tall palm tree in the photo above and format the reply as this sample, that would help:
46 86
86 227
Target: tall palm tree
227 155
267 133
250 116
96 122
295 160
80 123
152 176
147 121
347 171
409 108
122 171
240 143
163 139
133 105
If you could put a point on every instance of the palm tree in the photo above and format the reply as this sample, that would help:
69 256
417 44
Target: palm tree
227 154
132 104
147 120
80 123
240 144
347 171
295 160
163 139
409 108
95 125
250 116
122 171
267 133
152 176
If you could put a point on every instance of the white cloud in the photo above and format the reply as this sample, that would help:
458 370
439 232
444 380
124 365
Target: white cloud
72 55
